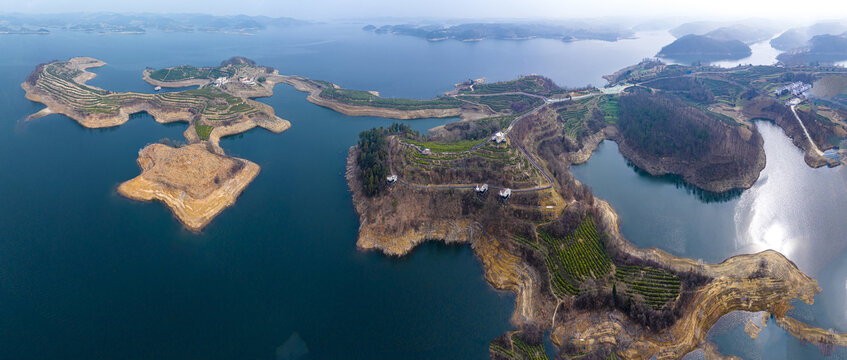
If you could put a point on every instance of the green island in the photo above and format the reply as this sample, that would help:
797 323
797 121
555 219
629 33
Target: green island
196 181
500 181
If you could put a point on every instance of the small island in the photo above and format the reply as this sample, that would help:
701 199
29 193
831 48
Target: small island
195 183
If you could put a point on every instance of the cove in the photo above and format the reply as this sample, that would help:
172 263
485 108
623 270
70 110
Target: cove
791 208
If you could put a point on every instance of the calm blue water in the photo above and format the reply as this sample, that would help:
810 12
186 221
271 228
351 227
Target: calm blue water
86 273
792 208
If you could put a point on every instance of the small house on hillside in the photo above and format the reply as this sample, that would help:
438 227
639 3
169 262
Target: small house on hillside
505 193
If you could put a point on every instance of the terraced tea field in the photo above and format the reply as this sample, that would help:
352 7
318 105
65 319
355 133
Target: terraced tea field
211 104
576 258
656 287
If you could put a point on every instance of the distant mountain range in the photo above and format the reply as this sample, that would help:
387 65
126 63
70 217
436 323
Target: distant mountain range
504 31
139 23
799 37
23 30
747 31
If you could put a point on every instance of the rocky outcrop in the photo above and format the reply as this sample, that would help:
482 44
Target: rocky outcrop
194 183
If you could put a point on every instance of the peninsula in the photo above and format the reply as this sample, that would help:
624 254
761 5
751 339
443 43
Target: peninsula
502 184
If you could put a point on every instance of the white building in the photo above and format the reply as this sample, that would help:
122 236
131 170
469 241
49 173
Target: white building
481 188
795 88
499 137
391 178
505 193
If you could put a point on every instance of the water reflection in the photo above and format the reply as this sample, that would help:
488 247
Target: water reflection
792 209
763 54
704 195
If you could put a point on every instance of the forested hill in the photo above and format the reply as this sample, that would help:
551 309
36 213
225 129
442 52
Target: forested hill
705 48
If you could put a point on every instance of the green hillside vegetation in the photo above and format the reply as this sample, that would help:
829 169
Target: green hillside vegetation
517 347
610 107
188 72
534 84
481 128
457 146
656 287
203 131
364 98
209 102
582 118
491 163
373 160
499 103
575 258
373 156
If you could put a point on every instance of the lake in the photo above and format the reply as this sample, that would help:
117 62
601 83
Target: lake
86 273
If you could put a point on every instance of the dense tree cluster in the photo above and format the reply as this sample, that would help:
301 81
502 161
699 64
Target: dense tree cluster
373 156
519 106
691 87
797 76
663 126
32 78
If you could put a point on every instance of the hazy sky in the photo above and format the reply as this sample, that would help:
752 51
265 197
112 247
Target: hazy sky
335 9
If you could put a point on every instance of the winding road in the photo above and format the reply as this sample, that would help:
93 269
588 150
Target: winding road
808 137
506 132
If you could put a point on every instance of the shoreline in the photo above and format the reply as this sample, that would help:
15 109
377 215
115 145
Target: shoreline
193 213
734 286
738 283
303 85
217 190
